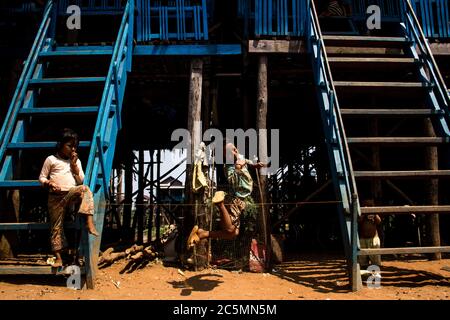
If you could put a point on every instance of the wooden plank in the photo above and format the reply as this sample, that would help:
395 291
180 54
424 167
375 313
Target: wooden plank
409 250
36 270
188 50
30 226
364 50
364 38
391 112
360 41
276 46
382 85
387 60
398 140
402 174
405 209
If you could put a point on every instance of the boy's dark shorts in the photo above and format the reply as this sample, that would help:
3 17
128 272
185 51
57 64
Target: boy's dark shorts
235 206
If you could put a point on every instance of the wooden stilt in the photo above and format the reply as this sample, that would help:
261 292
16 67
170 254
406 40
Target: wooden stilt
140 200
128 235
158 196
151 201
261 124
194 128
432 190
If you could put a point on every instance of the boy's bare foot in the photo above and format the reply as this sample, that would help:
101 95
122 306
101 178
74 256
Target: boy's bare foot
91 229
193 237
58 263
219 196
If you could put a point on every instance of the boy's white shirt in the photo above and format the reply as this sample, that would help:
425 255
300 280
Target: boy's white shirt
58 171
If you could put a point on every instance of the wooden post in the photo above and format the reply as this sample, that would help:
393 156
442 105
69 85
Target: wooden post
158 196
432 196
150 214
128 235
140 200
376 184
261 124
194 117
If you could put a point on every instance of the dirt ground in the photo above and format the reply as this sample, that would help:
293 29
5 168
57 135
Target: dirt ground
309 277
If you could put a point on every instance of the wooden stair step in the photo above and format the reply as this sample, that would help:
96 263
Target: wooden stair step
38 270
42 145
49 82
30 226
57 110
20 184
358 60
365 41
402 174
398 140
407 250
74 52
381 85
391 112
405 209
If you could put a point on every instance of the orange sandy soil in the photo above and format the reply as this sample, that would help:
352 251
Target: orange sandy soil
310 277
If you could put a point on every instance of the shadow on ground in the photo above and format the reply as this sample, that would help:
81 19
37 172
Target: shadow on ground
327 275
201 282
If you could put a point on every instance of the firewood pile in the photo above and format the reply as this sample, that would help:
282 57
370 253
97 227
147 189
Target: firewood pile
136 253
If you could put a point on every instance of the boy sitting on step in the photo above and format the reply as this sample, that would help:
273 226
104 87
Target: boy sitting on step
368 235
63 175
230 205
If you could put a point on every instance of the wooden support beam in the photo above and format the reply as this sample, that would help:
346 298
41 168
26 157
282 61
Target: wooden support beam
261 124
403 174
193 126
158 196
398 140
407 250
276 46
405 210
432 191
140 200
127 232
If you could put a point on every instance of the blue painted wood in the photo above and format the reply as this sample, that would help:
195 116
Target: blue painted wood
188 50
35 83
172 20
102 145
337 147
75 52
57 110
16 184
42 145
278 17
31 226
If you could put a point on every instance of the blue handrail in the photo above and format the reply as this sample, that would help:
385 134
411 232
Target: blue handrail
25 77
120 59
335 131
416 34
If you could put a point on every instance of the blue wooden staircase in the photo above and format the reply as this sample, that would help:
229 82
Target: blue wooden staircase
96 117
362 78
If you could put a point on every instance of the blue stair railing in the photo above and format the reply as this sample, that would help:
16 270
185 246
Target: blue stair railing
22 86
108 123
420 49
172 20
338 151
99 165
